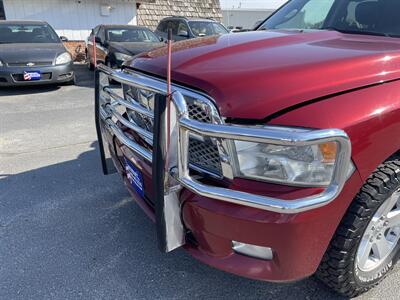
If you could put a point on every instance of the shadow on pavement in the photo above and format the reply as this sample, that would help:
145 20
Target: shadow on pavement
68 232
84 77
26 90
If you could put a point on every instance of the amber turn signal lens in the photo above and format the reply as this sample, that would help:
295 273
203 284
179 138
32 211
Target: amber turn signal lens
328 151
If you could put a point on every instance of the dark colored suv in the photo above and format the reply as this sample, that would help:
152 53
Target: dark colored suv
188 28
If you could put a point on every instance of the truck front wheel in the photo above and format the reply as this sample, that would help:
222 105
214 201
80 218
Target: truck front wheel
366 245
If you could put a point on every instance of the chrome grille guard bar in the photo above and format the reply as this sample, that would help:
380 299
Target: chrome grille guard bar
182 126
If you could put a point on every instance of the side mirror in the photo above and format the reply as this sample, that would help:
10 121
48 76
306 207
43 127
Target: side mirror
161 39
63 39
183 33
98 40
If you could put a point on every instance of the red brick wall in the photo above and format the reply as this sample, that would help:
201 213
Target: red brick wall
77 50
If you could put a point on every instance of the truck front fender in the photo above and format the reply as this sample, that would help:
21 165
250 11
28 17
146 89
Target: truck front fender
370 116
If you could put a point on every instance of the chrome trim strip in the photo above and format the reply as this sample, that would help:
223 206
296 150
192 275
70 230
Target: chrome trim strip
141 82
139 150
262 202
130 105
273 135
203 171
268 135
144 133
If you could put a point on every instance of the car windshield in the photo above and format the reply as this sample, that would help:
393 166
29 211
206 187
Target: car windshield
131 35
27 33
203 28
371 17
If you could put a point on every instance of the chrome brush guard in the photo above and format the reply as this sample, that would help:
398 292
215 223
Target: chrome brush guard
170 159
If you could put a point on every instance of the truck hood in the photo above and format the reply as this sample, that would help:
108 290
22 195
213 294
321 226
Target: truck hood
46 52
256 74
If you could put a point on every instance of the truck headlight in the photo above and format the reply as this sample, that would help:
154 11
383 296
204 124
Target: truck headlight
64 58
294 165
1 64
122 56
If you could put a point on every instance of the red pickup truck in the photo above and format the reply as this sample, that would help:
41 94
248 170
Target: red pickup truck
276 155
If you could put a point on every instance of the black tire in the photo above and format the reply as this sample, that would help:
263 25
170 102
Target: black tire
90 66
89 62
108 64
338 269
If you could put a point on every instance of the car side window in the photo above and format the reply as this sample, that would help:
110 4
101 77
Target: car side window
182 27
173 25
162 27
101 34
96 30
93 32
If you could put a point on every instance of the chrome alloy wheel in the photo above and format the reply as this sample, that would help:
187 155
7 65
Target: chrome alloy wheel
381 236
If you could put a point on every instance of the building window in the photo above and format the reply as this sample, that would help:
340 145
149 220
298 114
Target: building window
2 13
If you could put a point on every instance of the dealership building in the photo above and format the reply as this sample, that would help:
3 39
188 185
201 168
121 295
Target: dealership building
75 18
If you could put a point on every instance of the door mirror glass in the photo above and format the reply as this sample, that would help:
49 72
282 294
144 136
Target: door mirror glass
183 33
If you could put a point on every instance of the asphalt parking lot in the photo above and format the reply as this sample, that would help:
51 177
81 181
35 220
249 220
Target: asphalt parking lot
68 232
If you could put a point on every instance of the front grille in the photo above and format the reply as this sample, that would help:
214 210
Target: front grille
28 64
196 112
203 155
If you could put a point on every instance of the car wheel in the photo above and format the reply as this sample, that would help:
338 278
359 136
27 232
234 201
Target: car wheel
89 62
366 245
108 64
90 66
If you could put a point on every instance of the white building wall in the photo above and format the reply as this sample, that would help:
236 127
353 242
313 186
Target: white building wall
245 18
72 18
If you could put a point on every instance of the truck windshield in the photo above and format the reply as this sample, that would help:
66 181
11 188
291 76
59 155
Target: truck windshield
372 17
26 33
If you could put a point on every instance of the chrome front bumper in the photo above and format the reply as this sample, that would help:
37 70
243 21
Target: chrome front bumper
174 144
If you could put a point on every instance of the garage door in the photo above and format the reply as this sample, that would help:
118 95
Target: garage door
73 19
